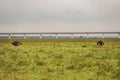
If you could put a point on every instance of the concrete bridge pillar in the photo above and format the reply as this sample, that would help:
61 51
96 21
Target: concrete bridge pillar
103 36
40 36
9 36
24 36
87 36
56 36
119 36
72 36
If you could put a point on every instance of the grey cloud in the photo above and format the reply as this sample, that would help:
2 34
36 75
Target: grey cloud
60 11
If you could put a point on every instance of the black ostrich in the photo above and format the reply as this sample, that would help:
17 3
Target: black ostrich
16 43
100 43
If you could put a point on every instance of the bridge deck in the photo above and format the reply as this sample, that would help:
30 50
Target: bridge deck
63 33
56 34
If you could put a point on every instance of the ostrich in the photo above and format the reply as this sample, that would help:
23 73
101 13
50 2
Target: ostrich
16 43
100 43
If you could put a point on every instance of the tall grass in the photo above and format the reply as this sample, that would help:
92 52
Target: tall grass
60 59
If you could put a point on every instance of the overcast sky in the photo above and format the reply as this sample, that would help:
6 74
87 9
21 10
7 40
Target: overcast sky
59 15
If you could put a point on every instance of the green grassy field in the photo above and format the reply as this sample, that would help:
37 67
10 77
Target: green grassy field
60 59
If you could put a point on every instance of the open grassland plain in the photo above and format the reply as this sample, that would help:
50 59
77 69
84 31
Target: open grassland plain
60 59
